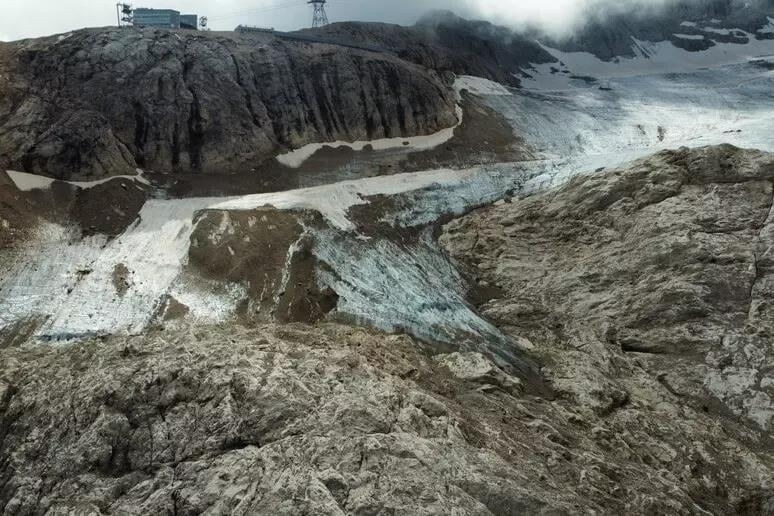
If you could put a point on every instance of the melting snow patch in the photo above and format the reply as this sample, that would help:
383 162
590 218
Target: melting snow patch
689 36
296 158
722 32
70 280
653 58
26 182
479 86
209 305
334 201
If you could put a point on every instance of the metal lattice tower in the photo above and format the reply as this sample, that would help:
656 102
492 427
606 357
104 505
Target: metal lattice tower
125 14
319 18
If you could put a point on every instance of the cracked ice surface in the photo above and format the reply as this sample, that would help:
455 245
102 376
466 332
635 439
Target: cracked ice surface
577 127
406 288
581 127
69 281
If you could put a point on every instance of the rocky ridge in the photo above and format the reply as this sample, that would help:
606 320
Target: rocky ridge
335 420
666 261
105 101
610 32
445 42
640 291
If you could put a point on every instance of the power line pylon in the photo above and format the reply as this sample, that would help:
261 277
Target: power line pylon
319 18
124 13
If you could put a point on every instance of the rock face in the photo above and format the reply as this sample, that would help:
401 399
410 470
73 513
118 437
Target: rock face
657 273
106 101
445 42
332 420
609 32
642 293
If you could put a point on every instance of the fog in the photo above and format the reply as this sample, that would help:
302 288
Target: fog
557 17
32 18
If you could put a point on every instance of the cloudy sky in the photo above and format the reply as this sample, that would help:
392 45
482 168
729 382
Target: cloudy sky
31 18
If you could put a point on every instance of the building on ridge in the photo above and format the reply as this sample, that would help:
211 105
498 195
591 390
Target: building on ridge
163 18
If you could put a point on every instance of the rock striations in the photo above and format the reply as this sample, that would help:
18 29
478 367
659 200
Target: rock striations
106 101
642 292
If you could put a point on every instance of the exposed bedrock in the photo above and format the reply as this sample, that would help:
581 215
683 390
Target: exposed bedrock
642 292
663 267
105 101
445 42
335 420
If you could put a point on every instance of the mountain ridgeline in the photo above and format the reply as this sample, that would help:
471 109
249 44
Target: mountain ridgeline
106 101
101 102
609 35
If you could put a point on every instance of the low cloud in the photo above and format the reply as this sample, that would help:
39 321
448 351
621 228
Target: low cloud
30 18
557 16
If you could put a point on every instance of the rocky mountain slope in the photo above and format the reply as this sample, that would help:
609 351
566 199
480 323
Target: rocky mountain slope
444 41
690 24
667 261
106 101
355 328
641 292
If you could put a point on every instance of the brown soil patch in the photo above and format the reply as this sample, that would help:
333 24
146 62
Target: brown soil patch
108 208
249 179
302 300
21 212
121 279
172 309
264 249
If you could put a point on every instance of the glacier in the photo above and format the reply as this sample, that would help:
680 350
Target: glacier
613 114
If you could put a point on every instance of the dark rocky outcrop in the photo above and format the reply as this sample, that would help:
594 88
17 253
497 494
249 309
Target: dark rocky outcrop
446 42
105 101
608 33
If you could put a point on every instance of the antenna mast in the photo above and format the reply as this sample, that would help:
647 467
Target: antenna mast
319 18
